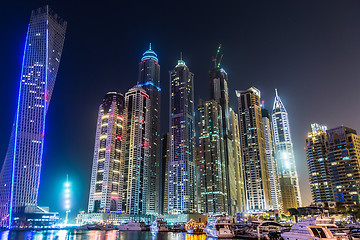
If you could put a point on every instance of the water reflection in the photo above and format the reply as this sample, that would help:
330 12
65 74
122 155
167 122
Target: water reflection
96 235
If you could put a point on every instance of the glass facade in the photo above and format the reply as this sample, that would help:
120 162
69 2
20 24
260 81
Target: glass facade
20 174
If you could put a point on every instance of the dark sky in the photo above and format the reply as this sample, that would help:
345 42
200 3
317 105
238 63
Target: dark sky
307 49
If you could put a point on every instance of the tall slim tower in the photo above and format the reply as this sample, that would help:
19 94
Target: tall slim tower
213 192
104 188
20 174
288 178
181 167
135 163
149 80
317 161
258 192
164 173
271 161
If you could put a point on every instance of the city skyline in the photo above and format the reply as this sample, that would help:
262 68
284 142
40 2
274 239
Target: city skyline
228 65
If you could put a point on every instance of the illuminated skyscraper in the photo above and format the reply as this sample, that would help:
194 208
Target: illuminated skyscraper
213 192
135 163
288 179
20 174
164 173
317 162
257 185
343 153
104 188
181 167
271 161
149 80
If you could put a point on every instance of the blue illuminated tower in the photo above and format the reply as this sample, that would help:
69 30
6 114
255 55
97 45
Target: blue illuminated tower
149 80
284 153
20 174
181 165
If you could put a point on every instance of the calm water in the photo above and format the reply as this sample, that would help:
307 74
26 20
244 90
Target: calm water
96 235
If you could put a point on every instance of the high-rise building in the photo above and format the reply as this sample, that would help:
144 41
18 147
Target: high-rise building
149 80
212 187
181 166
317 161
104 188
135 163
164 173
343 153
284 154
256 175
20 174
272 168
237 184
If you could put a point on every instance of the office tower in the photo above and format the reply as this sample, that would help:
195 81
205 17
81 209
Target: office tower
213 193
135 163
181 167
271 162
284 154
317 162
20 174
149 80
105 178
164 173
219 92
257 185
237 184
343 153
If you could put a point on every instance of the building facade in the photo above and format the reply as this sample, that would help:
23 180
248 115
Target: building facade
271 161
136 163
317 161
343 153
20 174
164 172
284 154
212 178
181 166
256 175
105 178
149 80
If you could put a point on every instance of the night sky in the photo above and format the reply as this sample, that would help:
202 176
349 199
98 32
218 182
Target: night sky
309 50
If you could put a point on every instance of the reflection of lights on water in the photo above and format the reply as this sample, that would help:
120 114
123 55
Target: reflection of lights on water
5 235
195 237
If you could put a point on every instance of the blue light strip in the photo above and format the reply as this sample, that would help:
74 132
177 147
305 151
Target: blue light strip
150 83
16 130
45 101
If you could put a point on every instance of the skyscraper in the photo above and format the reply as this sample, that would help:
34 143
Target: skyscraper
135 163
272 168
149 80
257 185
213 192
318 166
181 166
164 173
104 188
20 174
288 178
343 153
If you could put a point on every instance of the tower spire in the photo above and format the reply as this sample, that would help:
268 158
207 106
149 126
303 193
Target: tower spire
181 56
276 93
149 46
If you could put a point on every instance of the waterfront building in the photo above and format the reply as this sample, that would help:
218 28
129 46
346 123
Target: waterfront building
343 153
105 178
20 173
271 161
284 154
237 184
149 80
317 161
135 162
164 173
212 184
181 166
256 175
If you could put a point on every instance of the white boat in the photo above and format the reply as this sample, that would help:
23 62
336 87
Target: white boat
312 228
159 225
132 226
220 227
266 229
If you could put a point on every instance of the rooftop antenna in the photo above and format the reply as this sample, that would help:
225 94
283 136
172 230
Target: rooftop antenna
150 46
276 93
181 56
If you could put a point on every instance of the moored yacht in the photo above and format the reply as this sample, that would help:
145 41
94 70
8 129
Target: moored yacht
221 227
159 225
132 226
193 227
